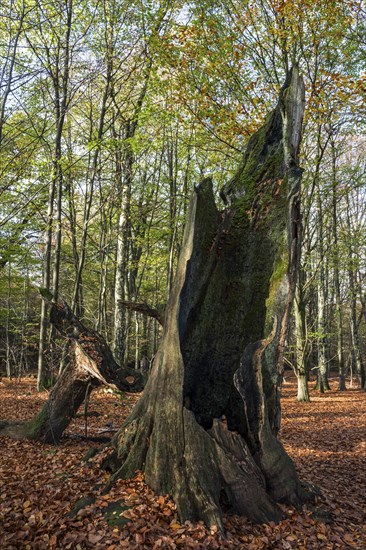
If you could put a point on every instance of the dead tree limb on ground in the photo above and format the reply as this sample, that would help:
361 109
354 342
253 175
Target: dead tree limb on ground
90 364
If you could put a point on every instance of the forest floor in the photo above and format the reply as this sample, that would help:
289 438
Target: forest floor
40 484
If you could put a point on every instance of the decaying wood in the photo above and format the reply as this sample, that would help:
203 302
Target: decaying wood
92 347
206 424
91 363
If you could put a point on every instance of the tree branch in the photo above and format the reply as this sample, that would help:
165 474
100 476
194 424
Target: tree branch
145 309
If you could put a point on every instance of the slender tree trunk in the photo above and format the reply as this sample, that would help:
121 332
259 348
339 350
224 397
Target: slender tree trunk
61 102
71 202
355 340
124 173
101 324
337 288
60 80
120 329
322 379
137 341
7 326
301 370
172 174
42 377
90 188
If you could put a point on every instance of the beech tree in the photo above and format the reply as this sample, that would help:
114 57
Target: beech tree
55 60
125 130
207 421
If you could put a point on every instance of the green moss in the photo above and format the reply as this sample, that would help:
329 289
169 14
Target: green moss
277 277
280 269
113 514
34 426
263 160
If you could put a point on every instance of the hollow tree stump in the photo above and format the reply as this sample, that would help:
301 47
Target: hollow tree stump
234 286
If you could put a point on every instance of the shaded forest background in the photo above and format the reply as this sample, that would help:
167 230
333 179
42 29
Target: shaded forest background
112 111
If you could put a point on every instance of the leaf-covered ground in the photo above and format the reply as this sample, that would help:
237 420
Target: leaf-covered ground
40 484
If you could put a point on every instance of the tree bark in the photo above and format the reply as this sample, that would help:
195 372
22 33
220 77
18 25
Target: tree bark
337 285
322 383
90 364
301 369
205 424
59 71
355 338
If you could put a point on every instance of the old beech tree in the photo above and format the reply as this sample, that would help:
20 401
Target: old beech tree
205 428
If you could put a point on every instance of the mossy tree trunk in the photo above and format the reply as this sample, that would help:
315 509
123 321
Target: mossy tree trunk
90 364
206 424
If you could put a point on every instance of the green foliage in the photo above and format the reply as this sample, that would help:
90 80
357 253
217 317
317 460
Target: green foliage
209 72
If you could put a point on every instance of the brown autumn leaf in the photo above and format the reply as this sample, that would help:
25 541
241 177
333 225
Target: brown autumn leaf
94 538
53 540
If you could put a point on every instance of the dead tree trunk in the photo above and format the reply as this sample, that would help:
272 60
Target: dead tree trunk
205 424
90 364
